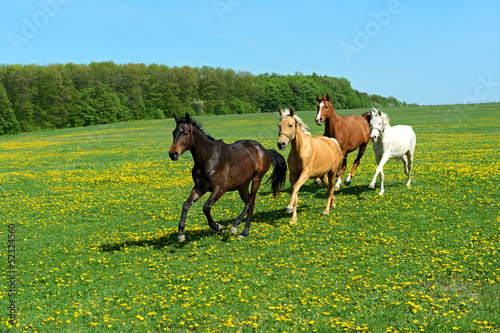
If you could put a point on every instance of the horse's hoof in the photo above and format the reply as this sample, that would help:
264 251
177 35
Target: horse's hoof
317 181
371 186
219 227
181 238
347 183
380 193
293 221
337 187
233 230
241 236
325 212
289 210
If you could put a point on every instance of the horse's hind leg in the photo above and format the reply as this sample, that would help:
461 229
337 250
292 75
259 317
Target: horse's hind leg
207 207
244 195
251 204
409 167
341 173
361 152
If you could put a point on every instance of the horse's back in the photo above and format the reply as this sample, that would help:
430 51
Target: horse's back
357 129
328 154
403 139
250 154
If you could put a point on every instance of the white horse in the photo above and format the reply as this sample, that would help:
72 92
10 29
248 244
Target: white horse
396 142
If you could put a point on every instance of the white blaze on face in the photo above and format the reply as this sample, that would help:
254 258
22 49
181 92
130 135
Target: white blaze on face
318 117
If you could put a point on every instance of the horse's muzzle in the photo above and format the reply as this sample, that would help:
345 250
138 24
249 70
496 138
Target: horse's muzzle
174 156
319 121
374 138
281 145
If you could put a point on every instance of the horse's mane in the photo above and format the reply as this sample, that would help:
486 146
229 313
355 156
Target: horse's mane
196 125
303 126
385 116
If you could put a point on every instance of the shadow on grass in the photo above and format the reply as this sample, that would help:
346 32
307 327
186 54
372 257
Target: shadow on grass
319 190
270 217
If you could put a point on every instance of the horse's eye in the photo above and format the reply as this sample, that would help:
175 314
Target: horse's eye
290 125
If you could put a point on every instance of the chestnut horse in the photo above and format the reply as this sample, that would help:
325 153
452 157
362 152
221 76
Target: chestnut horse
309 158
352 132
219 167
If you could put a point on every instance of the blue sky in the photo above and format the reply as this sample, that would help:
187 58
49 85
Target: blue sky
419 51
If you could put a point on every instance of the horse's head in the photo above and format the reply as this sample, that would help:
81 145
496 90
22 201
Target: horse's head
324 107
183 137
376 124
288 128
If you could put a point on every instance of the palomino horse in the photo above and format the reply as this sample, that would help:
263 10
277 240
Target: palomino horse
309 158
352 132
219 167
396 142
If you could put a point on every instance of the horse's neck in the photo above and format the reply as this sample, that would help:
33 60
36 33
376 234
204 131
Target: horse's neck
332 125
386 134
300 140
202 148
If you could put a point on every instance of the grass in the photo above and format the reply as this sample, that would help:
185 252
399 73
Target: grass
96 210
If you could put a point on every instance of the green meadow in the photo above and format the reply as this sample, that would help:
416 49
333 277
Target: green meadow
90 219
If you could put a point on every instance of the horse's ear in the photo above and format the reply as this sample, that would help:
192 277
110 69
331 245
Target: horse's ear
291 112
379 112
188 119
176 119
319 99
279 110
328 97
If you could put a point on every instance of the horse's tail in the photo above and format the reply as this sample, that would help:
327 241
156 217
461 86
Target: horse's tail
278 177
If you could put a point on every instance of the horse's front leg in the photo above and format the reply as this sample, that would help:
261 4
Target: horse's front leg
293 180
329 180
196 193
379 170
294 201
207 207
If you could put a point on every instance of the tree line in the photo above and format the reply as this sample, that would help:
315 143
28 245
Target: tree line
35 97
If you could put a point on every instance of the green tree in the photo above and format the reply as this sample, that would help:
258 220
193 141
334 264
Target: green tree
8 121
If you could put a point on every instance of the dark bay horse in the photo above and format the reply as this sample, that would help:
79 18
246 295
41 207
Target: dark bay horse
219 167
352 132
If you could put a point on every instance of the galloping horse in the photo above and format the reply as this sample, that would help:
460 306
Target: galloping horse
309 158
219 167
396 142
352 132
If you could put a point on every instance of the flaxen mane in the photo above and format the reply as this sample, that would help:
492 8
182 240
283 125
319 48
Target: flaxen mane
303 126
